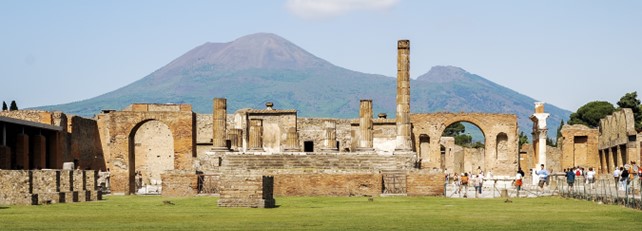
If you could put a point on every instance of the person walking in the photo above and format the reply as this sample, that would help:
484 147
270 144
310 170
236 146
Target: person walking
590 177
570 179
518 181
464 184
543 176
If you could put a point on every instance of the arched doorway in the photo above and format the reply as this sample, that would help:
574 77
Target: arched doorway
151 152
462 145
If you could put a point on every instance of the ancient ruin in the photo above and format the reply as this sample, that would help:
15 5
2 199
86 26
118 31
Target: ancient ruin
251 155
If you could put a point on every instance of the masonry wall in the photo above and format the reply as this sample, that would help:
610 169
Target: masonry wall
579 146
86 146
22 187
327 184
312 129
179 184
425 183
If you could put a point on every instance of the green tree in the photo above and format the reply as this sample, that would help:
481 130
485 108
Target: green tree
591 113
463 140
630 100
13 106
559 132
4 106
454 129
523 139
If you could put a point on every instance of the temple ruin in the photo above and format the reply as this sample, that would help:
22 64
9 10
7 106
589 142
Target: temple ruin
250 155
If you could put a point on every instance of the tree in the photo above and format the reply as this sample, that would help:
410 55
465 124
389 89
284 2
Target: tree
4 106
523 139
549 142
454 129
630 100
13 106
591 113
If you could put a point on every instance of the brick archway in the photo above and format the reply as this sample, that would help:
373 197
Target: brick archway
491 125
120 126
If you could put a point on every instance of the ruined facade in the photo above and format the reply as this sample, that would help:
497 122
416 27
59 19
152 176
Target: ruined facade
579 146
618 142
168 148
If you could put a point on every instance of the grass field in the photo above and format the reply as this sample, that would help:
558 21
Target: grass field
323 213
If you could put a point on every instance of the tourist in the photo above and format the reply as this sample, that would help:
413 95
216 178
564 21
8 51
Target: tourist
480 182
456 183
616 176
521 172
590 177
624 178
464 184
518 181
543 176
570 178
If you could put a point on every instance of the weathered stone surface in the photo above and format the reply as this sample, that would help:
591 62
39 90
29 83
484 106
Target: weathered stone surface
44 186
327 184
179 184
579 147
425 183
499 130
246 190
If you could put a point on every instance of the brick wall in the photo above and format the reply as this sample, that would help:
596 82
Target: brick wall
327 184
424 183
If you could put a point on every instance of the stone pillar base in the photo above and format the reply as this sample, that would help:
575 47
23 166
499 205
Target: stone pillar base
292 150
331 150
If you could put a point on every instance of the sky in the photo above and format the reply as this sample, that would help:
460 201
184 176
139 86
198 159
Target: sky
565 53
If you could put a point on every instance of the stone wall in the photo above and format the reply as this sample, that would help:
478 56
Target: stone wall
579 147
47 186
500 134
327 184
179 184
86 146
246 190
425 183
312 129
329 163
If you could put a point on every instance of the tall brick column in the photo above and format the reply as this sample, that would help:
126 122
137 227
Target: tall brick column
403 141
22 151
365 126
330 136
256 135
292 141
39 151
218 124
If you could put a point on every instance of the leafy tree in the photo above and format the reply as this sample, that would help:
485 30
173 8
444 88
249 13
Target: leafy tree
523 139
463 139
13 106
4 106
591 113
630 100
454 129
550 142
559 133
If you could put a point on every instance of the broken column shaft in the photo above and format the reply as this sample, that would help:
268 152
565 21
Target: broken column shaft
365 126
218 124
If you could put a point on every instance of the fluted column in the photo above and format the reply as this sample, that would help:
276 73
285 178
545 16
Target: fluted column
235 136
292 140
365 126
330 136
403 141
256 135
218 124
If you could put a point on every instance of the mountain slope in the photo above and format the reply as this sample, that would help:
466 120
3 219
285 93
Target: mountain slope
257 68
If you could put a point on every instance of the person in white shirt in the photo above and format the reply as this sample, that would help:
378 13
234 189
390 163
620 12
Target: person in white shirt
590 177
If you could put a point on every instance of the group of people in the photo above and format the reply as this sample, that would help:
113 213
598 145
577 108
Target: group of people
575 172
463 180
624 175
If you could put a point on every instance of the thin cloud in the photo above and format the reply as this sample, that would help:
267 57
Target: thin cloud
322 9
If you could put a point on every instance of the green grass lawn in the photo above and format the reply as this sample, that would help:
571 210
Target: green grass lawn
323 213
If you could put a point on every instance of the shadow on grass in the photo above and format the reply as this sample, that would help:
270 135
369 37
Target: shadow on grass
2 207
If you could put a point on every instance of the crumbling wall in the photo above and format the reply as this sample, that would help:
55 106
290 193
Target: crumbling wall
179 184
327 184
86 146
425 183
47 186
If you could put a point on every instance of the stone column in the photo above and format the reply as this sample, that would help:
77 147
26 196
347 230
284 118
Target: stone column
218 124
603 164
292 140
403 140
22 151
609 160
256 135
365 126
39 152
235 136
540 131
330 136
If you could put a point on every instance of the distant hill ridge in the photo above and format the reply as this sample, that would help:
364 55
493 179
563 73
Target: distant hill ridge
257 68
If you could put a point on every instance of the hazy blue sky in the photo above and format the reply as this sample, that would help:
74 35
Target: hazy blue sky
565 53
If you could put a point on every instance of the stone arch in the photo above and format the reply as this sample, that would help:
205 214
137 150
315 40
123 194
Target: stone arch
151 153
465 159
120 127
491 125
